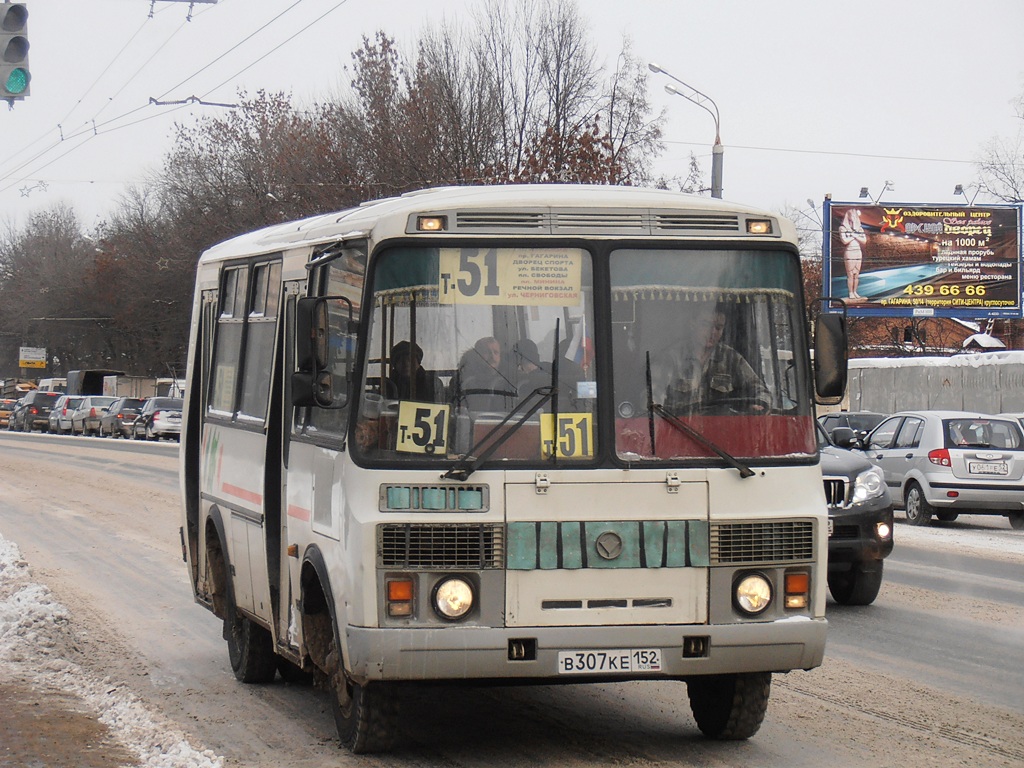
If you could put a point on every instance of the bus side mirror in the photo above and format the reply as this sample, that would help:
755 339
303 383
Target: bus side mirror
830 357
323 344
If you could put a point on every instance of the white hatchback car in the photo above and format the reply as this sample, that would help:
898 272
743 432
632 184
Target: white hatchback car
947 463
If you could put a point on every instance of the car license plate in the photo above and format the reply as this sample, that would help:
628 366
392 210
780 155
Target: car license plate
988 468
609 662
831 526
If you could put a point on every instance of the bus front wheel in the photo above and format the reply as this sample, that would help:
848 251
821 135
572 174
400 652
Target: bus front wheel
364 715
729 707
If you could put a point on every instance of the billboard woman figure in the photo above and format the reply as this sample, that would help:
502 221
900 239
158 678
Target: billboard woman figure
852 235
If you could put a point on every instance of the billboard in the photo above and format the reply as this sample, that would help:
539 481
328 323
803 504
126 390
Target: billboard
923 260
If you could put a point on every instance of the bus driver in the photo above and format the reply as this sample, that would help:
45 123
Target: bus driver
715 375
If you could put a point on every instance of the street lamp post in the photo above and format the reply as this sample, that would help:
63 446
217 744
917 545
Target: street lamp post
703 101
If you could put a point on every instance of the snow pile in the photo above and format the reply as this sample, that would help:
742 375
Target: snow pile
36 636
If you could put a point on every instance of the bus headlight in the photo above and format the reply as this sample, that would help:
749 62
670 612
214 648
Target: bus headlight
453 598
753 594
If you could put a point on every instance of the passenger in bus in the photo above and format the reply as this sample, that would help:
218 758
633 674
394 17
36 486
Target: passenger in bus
533 373
408 380
715 377
536 374
479 382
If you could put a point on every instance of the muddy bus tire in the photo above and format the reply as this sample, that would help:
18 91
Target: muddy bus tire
365 715
250 649
729 707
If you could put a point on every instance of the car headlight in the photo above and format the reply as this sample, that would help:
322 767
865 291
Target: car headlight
869 484
453 598
753 594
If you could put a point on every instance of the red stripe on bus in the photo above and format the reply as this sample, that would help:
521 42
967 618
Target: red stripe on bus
242 493
299 513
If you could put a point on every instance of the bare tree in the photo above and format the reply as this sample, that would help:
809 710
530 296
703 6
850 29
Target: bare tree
1001 168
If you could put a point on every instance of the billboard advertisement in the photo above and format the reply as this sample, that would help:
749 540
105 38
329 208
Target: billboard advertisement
923 260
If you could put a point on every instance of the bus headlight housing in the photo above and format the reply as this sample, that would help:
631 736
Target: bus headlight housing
753 594
453 598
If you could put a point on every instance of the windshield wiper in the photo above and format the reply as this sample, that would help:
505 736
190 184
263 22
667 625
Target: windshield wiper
686 429
464 470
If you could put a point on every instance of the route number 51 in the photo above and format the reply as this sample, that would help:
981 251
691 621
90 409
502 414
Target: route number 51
422 428
571 438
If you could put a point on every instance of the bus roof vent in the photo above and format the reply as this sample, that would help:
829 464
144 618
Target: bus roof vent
696 222
619 222
499 221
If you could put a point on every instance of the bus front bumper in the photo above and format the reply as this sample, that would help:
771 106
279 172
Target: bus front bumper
484 653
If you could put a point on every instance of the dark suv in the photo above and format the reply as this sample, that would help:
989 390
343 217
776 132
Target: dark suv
861 422
859 521
33 411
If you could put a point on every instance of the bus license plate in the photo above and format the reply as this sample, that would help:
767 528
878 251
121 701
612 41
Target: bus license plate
609 662
988 468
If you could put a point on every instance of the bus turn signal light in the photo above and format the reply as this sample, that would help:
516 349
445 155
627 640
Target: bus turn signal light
798 587
400 597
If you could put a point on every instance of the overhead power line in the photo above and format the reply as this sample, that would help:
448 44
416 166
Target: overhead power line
830 153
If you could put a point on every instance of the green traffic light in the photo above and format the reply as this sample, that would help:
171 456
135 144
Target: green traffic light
17 81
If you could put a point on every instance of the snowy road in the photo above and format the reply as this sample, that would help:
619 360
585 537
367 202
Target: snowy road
97 604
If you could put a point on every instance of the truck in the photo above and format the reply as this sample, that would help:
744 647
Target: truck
53 384
15 388
130 386
88 381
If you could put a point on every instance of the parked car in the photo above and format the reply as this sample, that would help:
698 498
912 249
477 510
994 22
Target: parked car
6 406
33 411
860 534
159 417
947 463
861 422
86 418
60 416
117 420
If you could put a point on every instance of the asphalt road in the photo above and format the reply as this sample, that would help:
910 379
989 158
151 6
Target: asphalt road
928 675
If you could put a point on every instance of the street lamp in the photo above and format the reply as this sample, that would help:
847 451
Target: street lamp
888 187
959 190
703 101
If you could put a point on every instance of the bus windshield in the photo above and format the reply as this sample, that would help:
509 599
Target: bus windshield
703 341
491 354
479 349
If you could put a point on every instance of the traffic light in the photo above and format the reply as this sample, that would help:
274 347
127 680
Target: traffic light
14 74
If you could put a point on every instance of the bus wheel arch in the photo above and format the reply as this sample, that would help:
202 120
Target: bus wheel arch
364 713
250 646
218 585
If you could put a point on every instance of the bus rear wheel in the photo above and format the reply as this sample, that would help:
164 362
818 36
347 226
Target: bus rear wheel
250 649
364 715
729 707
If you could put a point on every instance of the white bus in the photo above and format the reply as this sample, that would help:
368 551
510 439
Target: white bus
455 436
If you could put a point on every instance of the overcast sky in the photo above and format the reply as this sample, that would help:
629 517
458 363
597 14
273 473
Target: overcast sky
815 96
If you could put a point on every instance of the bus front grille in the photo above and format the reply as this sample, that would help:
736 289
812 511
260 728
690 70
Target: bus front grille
782 541
417 546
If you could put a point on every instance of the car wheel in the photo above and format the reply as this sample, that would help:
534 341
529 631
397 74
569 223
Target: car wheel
855 586
919 511
1017 521
947 517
